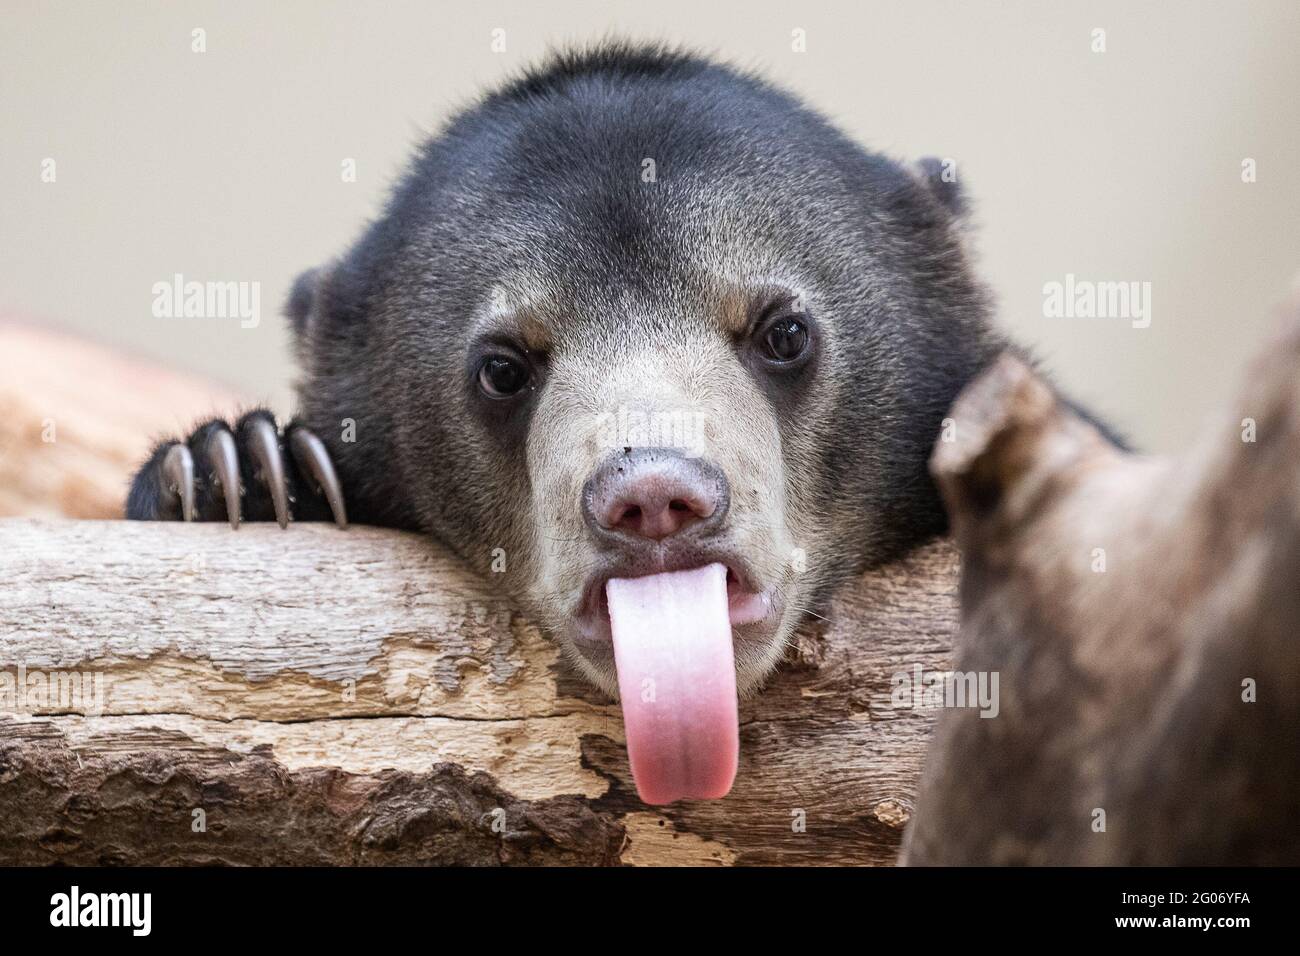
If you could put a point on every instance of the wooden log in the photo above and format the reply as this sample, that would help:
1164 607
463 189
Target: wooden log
188 694
77 418
1142 616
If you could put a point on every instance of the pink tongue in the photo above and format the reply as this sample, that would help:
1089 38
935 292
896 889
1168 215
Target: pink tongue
677 679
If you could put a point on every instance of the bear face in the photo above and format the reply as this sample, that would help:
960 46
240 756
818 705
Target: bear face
639 255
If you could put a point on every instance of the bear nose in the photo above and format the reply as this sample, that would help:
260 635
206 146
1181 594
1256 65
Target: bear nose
654 493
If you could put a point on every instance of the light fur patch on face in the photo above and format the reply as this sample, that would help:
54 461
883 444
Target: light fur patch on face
697 381
747 300
514 310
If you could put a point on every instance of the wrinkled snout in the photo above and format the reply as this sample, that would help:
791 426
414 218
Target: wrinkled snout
654 494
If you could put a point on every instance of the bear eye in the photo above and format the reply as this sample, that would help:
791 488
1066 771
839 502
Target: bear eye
786 340
501 377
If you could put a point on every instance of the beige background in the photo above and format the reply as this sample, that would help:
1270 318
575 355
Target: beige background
1124 165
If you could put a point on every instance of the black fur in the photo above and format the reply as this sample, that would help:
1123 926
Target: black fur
915 318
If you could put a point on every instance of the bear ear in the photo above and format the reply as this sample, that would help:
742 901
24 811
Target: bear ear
327 304
302 299
939 177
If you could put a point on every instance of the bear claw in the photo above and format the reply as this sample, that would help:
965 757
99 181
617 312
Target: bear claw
178 470
312 459
203 478
265 445
225 465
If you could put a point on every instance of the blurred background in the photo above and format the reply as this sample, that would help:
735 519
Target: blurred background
128 155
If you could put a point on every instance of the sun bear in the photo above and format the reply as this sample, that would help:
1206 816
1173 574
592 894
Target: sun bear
655 343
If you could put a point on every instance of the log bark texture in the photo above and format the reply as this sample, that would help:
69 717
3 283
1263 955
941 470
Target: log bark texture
188 694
